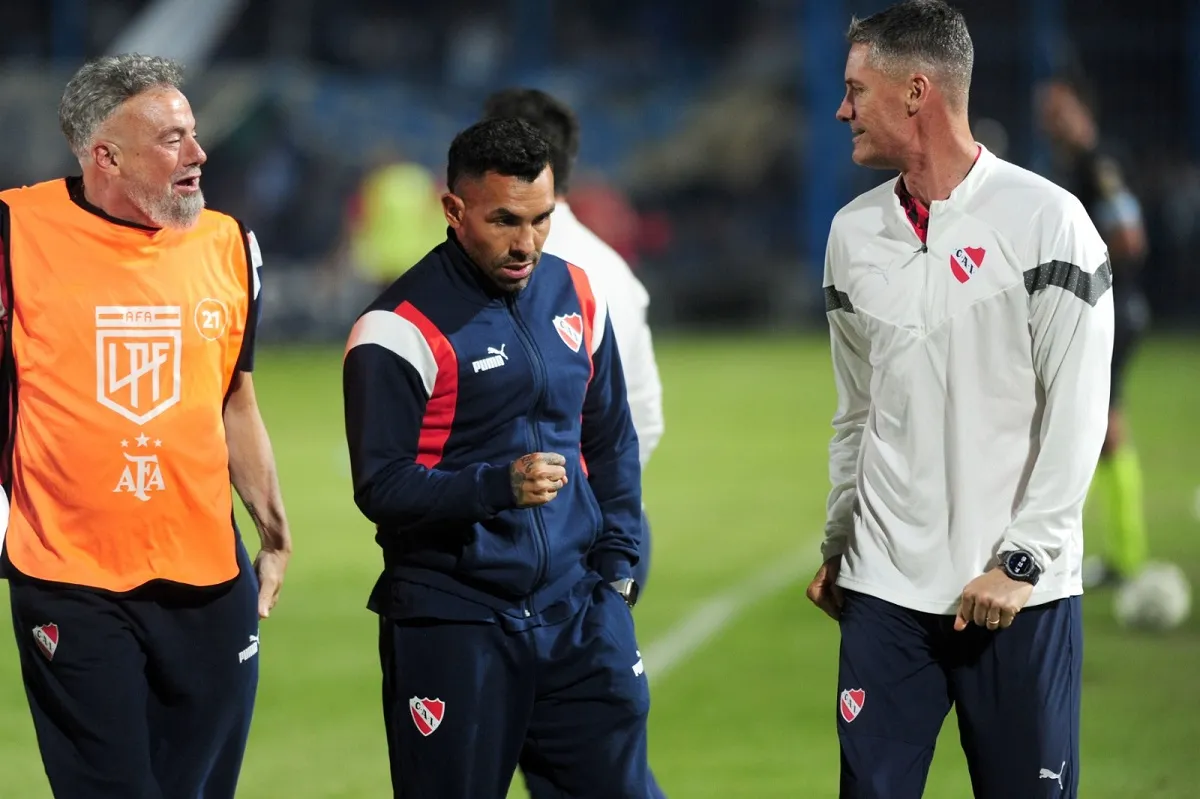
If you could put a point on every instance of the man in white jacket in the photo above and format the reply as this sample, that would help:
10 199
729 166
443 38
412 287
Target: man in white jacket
971 319
627 298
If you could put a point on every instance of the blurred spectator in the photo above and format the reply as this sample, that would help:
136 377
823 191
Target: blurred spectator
604 209
395 219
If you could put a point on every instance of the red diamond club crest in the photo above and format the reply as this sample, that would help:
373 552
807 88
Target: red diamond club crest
851 703
965 262
427 714
46 637
570 327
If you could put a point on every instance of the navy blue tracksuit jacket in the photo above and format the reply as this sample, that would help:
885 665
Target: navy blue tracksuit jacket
447 381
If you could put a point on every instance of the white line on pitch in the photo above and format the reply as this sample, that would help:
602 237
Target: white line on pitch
686 637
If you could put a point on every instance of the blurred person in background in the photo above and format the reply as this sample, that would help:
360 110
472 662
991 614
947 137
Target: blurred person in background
1090 169
606 210
971 324
491 444
135 604
395 218
627 298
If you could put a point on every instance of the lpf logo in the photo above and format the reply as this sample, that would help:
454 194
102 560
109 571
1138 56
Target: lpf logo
138 369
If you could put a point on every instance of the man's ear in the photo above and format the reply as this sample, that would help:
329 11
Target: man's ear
106 155
454 208
919 88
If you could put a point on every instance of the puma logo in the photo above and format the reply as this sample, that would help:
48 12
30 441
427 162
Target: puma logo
496 358
1047 774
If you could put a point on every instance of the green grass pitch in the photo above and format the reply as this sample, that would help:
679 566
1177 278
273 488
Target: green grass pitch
739 483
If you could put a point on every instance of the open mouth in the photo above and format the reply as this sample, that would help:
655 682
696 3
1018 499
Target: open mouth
188 184
517 271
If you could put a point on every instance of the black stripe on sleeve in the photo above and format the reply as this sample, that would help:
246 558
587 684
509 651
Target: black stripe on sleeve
1069 277
245 362
837 300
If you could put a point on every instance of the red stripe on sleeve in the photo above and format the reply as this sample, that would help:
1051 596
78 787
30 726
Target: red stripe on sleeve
439 411
587 305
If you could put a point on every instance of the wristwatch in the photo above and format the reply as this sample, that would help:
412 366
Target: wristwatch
1021 566
628 589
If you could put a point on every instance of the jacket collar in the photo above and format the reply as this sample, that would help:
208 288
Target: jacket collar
966 187
908 211
466 274
973 180
78 196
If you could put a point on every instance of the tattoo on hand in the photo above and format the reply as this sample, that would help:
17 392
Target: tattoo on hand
520 471
517 479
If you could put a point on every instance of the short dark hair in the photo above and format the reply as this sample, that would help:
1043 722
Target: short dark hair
930 33
508 147
553 119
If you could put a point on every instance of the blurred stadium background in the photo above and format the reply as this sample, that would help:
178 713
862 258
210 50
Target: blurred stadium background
711 159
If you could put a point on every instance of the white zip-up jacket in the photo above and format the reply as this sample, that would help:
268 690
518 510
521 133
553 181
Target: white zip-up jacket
628 300
972 376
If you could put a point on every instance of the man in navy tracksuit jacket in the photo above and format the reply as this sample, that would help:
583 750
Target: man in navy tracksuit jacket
491 444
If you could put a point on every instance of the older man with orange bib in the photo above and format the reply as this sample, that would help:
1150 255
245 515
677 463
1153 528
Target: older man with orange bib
128 326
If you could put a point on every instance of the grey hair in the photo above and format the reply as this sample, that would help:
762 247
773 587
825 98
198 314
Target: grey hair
102 85
929 34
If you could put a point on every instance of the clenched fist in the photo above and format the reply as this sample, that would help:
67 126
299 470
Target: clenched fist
537 478
993 600
824 592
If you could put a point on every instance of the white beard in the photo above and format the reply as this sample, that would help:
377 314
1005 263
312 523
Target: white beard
168 209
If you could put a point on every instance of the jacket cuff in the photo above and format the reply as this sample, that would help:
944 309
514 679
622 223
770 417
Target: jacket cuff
1012 542
495 489
836 543
613 566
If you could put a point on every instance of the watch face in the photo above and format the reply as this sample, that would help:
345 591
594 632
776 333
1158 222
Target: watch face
628 589
1020 564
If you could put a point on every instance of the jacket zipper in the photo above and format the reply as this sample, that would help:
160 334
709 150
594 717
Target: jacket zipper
541 540
926 295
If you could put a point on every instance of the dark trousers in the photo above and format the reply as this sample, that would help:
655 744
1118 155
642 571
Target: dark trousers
148 695
1016 692
465 703
641 573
